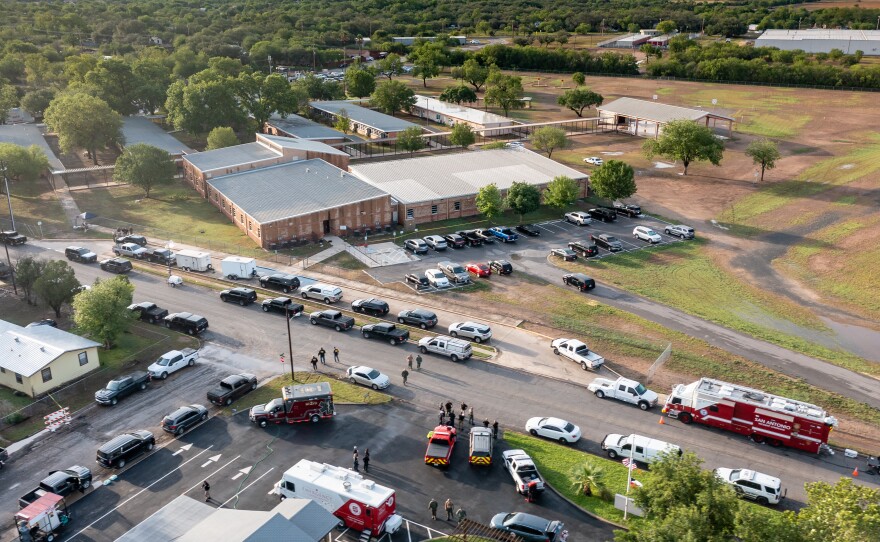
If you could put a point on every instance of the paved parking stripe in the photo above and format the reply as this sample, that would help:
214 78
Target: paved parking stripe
242 490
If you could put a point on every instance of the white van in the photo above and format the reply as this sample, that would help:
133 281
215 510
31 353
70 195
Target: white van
643 449
323 292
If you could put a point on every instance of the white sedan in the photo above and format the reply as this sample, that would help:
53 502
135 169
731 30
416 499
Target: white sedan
368 376
436 278
594 160
554 428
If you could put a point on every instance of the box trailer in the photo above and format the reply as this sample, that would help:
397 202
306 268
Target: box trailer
193 260
238 267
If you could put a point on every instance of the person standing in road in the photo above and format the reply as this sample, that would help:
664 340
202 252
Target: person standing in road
404 374
460 514
461 420
495 430
336 354
486 423
321 354
432 506
448 506
409 360
419 362
449 407
367 460
355 462
464 407
207 487
442 415
314 364
471 415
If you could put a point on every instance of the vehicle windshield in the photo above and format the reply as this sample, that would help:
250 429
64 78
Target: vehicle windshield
113 385
611 239
374 374
569 427
641 389
457 269
162 362
274 404
734 475
651 232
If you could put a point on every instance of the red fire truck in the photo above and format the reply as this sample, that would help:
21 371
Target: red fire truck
303 403
360 504
441 441
763 417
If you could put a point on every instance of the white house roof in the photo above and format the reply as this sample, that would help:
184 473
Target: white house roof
658 112
27 350
362 115
466 114
26 135
429 178
143 130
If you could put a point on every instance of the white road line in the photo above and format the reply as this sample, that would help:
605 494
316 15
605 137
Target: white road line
123 503
242 490
199 483
242 472
183 449
212 459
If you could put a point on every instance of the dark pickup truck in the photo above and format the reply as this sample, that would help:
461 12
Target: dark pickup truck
160 255
386 332
148 311
12 237
121 386
60 482
231 388
334 319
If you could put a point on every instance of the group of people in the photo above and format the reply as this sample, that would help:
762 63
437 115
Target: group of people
409 365
449 506
448 416
356 460
322 357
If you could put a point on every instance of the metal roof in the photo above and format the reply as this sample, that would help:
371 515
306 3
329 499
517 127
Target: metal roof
648 110
819 34
467 114
362 115
231 156
27 350
143 130
429 178
304 128
27 135
292 189
301 144
170 522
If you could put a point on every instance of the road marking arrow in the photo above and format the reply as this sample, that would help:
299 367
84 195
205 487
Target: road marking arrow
183 449
210 460
242 472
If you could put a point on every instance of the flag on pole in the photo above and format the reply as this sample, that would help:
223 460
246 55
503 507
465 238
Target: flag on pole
627 462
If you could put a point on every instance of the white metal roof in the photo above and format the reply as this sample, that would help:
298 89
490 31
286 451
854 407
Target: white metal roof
231 156
304 128
334 478
27 350
819 34
300 144
367 117
26 135
413 180
655 111
466 114
143 130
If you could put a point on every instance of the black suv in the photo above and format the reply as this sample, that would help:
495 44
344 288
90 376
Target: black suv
605 215
608 242
183 418
121 449
186 321
501 267
284 305
471 237
136 239
579 281
116 265
242 296
455 240
374 306
160 255
583 249
418 317
12 237
80 254
627 209
280 281
334 319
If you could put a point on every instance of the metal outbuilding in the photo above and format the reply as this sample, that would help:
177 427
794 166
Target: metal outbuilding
646 118
822 40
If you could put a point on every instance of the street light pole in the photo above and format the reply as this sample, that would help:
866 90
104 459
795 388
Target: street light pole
289 344
8 197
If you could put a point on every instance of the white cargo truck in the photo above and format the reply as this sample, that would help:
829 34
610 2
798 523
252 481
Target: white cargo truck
238 267
193 260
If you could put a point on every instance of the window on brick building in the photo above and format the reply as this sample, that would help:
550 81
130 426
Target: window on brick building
434 209
410 214
456 206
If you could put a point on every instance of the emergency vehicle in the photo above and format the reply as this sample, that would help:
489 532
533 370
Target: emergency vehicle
480 451
304 403
763 417
360 504
441 442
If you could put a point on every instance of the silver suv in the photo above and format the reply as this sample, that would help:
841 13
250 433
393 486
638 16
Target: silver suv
680 230
455 272
471 330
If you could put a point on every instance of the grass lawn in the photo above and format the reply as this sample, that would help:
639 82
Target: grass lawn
34 202
345 261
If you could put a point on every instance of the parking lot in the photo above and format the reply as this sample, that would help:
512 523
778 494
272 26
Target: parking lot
554 234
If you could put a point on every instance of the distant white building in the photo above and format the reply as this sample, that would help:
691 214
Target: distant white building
450 114
822 40
411 40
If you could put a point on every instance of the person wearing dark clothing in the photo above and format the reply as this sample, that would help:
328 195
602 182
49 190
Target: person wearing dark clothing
321 354
314 364
495 429
355 461
404 374
207 487
335 354
486 423
449 407
419 362
463 407
367 460
409 360
433 507
461 420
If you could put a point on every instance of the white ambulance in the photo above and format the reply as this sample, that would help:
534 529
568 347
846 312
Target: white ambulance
360 504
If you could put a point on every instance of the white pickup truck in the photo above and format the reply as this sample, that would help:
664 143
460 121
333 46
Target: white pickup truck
624 389
173 361
577 352
523 470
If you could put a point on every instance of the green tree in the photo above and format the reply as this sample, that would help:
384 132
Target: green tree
667 27
411 139
390 66
102 311
843 511
221 137
113 81
393 96
523 198
489 201
764 153
8 100
578 78
462 135
754 524
27 271
473 73
458 94
504 91
561 192
360 81
37 101
317 89
200 106
83 121
23 164
687 141
613 180
579 99
588 477
262 95
428 58
549 138
343 122
57 285
144 166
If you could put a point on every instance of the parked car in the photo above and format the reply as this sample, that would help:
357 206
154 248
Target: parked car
284 305
331 318
186 322
486 236
324 292
627 209
566 254
123 448
417 281
583 249
231 388
416 246
242 296
367 376
680 230
579 281
603 214
501 267
478 269
455 272
528 229
608 242
554 429
148 311
12 237
504 234
479 333
116 265
385 331
749 484
184 418
455 240
373 306
437 279
436 242
455 349
646 234
471 238
136 239
417 317
80 254
132 250
579 218
160 255
527 526
593 161
280 281
122 386
173 361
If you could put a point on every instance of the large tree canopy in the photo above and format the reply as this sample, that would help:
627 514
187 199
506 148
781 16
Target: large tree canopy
144 166
687 141
393 96
83 121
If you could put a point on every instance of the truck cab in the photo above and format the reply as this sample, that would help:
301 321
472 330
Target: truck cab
441 442
577 352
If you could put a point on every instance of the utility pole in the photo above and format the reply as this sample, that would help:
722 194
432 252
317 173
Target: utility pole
289 345
11 218
270 64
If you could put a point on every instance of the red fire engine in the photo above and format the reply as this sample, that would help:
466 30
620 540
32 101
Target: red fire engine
361 504
303 403
761 416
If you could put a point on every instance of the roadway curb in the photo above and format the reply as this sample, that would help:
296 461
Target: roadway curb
584 510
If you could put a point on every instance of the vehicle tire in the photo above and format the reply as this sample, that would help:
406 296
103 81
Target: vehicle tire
454 358
478 340
120 463
263 423
584 365
556 351
168 325
305 296
50 537
685 418
205 415
423 350
315 418
393 342
86 484
644 405
775 443
178 431
229 401
253 386
143 386
190 363
163 376
327 300
313 321
562 440
762 500
454 334
285 289
185 269
191 332
533 432
152 319
375 387
337 327
114 401
423 326
241 302
352 380
400 320
265 308
600 394
612 454
758 438
231 277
